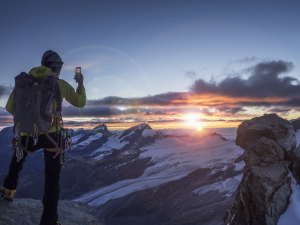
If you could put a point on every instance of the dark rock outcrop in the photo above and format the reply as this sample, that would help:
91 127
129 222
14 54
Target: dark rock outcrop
103 130
263 194
270 126
29 211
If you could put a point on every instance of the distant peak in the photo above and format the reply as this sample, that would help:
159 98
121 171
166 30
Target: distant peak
216 134
102 129
136 129
100 126
143 126
78 130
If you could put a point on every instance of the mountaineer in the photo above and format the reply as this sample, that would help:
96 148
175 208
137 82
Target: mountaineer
36 104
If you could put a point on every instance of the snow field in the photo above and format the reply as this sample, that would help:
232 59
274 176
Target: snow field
292 216
228 186
174 158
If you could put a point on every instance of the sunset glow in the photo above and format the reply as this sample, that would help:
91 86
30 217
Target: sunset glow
192 118
170 73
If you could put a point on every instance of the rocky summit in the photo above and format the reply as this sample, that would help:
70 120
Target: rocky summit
29 211
103 130
264 191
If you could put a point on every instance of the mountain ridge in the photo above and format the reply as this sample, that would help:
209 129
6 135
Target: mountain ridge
140 161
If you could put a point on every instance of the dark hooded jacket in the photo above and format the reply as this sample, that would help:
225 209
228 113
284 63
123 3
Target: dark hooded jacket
76 98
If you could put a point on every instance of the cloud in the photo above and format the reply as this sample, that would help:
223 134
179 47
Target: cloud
159 112
71 111
6 119
5 90
191 74
230 110
264 81
268 87
248 59
148 113
164 99
275 110
237 121
156 112
281 111
166 121
71 122
206 112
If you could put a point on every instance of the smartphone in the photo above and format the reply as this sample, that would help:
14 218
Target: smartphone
78 70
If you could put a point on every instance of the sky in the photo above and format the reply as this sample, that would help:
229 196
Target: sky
168 63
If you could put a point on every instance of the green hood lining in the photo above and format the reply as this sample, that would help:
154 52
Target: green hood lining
41 72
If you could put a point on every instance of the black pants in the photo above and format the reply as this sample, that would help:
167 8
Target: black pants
52 181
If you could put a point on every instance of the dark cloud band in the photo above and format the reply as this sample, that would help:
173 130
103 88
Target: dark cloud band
264 81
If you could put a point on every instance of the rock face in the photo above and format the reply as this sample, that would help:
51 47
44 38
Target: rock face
29 211
103 130
263 194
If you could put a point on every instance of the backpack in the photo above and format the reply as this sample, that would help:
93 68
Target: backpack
33 105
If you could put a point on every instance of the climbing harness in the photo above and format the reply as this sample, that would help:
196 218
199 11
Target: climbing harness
65 143
35 135
19 150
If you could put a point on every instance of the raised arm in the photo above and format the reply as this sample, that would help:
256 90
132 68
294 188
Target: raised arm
77 98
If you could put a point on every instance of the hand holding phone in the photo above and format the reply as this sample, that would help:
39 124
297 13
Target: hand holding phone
78 76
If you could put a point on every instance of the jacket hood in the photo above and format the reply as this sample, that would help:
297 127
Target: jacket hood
41 72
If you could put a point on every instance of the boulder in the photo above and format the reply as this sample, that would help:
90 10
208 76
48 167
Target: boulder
264 191
270 126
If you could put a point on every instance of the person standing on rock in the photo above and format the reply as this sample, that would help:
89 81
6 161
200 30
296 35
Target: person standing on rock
50 140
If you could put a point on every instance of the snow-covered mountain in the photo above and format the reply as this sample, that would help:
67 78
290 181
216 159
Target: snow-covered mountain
188 180
146 176
165 168
102 129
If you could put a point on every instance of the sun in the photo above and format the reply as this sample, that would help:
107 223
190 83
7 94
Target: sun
199 127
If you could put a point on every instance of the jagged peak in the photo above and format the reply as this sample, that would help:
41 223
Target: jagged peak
101 127
139 128
219 135
78 130
142 126
81 131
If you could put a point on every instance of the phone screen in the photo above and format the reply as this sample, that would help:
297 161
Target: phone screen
78 70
